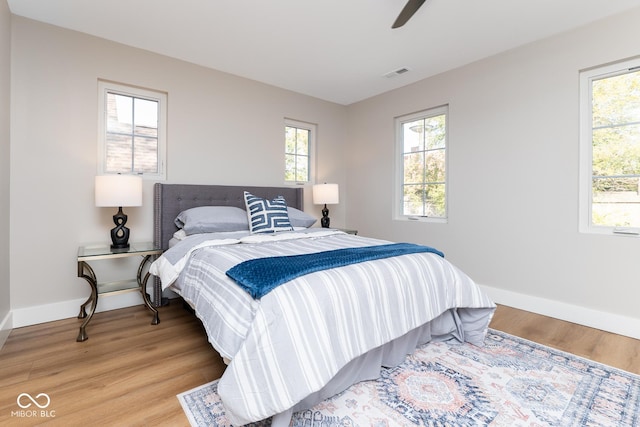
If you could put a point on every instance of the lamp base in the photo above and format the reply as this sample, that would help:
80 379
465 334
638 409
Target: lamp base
120 247
325 220
120 233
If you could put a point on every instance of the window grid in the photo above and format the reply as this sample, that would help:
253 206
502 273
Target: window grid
610 149
132 131
132 143
297 153
422 138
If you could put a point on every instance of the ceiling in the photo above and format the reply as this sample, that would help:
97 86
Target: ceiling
336 50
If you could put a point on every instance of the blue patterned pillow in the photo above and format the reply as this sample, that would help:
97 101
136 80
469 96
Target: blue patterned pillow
267 216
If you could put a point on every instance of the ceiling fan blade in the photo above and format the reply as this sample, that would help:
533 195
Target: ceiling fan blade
407 12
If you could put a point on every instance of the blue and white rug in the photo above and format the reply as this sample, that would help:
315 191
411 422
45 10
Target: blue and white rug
509 382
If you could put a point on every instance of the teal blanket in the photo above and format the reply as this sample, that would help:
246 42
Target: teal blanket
261 275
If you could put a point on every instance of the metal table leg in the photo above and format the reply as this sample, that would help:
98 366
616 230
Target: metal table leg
142 283
86 272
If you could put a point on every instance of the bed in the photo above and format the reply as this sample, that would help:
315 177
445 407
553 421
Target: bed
293 338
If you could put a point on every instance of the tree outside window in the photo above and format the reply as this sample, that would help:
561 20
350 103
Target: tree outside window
613 138
423 142
298 138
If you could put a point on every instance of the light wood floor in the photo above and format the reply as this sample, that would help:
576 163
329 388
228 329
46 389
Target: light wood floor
129 372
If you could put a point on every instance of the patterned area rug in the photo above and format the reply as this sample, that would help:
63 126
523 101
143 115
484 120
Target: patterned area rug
509 382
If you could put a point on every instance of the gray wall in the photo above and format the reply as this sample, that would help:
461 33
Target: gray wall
513 175
513 170
5 85
222 129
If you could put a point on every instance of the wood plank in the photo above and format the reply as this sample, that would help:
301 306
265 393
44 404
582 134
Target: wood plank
594 344
129 372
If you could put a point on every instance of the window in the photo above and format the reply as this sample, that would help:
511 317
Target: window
298 145
421 141
610 148
132 130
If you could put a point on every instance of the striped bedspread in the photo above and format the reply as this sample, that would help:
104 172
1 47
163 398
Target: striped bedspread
261 275
294 340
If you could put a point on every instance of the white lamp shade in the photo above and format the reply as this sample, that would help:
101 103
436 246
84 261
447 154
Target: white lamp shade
118 190
326 194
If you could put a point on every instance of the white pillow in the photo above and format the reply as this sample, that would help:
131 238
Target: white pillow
180 235
267 216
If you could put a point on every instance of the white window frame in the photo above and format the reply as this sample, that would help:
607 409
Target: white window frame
105 87
312 128
399 165
585 195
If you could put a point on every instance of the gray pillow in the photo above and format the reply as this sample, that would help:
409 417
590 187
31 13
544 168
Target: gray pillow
299 218
212 219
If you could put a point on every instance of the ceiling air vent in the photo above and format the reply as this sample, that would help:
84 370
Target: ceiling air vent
396 73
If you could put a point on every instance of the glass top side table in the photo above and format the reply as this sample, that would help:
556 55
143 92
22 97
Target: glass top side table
91 253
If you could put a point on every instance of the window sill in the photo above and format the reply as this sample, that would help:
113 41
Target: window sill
422 219
612 231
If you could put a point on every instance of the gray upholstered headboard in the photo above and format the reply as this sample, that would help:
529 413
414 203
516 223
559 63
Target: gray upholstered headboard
171 199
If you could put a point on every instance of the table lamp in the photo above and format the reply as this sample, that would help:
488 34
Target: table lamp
325 194
118 191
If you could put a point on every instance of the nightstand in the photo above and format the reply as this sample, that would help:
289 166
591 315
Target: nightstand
348 230
89 253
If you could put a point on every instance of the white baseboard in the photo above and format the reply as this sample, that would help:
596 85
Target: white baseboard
610 322
622 325
66 309
5 328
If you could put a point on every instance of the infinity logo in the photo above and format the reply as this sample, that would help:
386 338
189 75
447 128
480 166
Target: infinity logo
35 402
